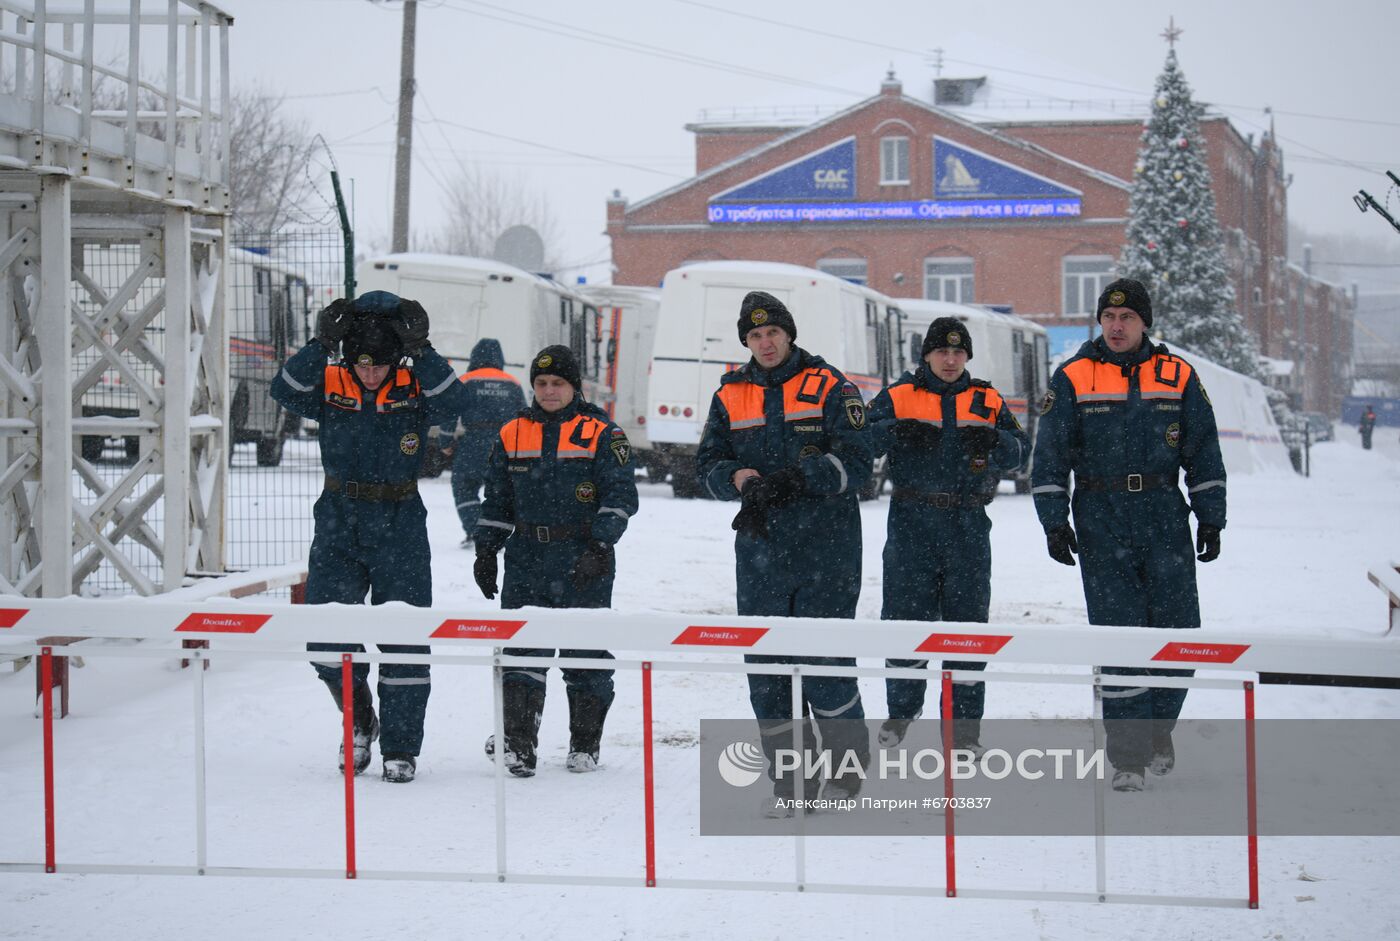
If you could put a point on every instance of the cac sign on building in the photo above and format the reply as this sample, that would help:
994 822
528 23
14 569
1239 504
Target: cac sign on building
820 187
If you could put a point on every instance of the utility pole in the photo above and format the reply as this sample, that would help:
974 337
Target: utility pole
403 151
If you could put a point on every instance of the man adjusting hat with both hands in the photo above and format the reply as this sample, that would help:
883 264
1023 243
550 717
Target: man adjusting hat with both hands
375 386
1125 416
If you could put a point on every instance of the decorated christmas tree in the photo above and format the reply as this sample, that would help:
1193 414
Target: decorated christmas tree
1173 243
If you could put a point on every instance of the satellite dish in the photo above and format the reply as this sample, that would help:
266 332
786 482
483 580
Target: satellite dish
520 246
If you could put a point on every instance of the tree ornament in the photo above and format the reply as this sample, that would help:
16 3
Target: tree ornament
1183 143
1161 101
1177 176
1182 223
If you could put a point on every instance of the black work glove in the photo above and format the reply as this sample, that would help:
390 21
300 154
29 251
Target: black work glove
780 487
411 326
484 571
592 565
979 439
752 519
1207 542
917 434
1062 544
333 322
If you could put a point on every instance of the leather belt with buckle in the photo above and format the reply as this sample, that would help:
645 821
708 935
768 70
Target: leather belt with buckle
547 534
384 493
1130 483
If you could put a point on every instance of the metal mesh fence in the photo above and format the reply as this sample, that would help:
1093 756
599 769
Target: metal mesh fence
279 284
276 286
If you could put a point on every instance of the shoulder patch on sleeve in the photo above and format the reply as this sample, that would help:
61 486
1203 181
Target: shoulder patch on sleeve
620 446
1202 386
849 389
855 412
1048 402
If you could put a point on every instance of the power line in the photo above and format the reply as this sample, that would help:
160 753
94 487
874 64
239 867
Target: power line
561 150
569 31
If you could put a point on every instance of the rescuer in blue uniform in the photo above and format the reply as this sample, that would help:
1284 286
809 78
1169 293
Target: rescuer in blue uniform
371 527
493 397
1126 415
786 434
560 489
949 438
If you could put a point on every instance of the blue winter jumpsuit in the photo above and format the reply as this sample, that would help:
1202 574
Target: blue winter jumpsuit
804 413
371 532
938 552
1126 424
493 397
554 483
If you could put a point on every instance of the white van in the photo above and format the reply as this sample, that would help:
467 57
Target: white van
854 328
471 298
1010 352
629 322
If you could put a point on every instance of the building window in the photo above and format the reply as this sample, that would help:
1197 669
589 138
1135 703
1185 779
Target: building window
850 269
1085 279
894 161
948 279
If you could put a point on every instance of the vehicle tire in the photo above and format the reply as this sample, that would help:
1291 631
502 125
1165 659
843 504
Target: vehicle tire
238 418
655 465
132 443
91 447
270 451
1023 484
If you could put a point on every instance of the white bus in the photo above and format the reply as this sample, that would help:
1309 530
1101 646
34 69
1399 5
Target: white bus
629 323
471 298
1010 352
856 329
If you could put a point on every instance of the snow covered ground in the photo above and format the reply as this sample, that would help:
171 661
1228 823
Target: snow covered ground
1295 557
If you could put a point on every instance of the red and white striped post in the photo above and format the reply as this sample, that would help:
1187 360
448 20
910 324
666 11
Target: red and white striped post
347 708
648 776
949 849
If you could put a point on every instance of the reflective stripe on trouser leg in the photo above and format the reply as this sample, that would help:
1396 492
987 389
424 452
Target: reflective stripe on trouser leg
969 696
403 700
525 676
904 699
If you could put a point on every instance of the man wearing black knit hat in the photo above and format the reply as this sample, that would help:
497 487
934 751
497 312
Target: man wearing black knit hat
559 493
950 438
786 435
374 410
1126 416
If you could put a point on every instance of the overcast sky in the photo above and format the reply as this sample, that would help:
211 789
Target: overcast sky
578 99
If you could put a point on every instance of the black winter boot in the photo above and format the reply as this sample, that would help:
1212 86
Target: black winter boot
587 711
366 724
523 706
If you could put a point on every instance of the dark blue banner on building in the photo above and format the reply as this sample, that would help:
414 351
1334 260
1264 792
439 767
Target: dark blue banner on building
962 173
915 210
829 173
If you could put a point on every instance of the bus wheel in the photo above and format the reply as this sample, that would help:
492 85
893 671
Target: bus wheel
270 451
91 447
1023 485
685 486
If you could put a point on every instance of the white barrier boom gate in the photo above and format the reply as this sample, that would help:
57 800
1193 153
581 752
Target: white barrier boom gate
276 631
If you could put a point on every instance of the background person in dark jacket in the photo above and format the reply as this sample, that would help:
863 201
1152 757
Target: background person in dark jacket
1366 426
786 432
1126 416
493 397
371 527
950 438
559 492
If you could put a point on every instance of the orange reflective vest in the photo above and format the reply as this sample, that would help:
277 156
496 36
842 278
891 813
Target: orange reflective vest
804 396
578 438
1161 376
488 372
344 391
976 405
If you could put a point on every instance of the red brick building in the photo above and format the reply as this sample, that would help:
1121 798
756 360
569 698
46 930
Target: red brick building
921 200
